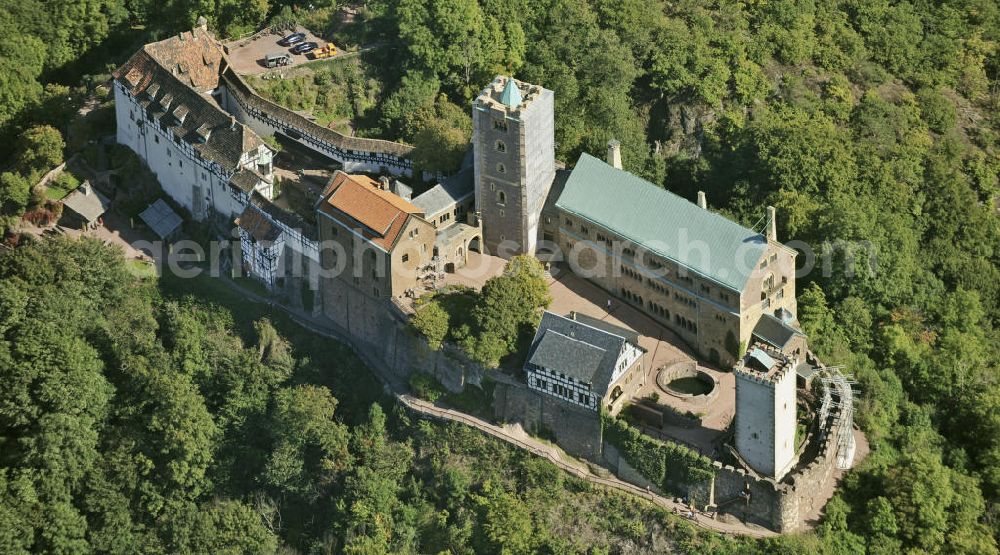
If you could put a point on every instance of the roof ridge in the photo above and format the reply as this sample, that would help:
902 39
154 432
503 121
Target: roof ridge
571 338
662 222
645 181
575 321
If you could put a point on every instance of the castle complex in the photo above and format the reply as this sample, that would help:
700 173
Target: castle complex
726 290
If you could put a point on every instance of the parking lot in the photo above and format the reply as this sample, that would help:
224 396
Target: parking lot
247 55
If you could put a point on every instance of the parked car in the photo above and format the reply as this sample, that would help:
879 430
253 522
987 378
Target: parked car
294 38
277 59
304 47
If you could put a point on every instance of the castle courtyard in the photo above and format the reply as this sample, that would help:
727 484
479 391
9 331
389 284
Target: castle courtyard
571 293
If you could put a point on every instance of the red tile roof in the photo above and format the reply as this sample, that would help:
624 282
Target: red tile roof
357 202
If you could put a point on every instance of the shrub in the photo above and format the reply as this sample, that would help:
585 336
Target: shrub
936 110
426 386
667 464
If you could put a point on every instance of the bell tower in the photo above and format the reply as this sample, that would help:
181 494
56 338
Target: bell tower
513 135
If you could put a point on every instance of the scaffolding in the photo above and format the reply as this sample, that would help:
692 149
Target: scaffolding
839 394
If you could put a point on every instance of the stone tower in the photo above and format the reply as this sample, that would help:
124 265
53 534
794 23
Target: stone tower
765 410
513 138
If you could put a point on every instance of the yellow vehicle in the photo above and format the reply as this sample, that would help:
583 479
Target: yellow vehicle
327 51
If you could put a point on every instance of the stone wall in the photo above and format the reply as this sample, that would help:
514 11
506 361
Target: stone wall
356 154
575 429
379 329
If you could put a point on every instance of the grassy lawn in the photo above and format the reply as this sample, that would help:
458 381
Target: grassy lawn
64 184
141 268
333 91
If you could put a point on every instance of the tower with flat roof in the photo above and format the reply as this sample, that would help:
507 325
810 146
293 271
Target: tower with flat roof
513 134
765 410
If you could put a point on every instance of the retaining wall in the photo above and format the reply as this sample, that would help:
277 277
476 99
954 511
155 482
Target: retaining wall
380 329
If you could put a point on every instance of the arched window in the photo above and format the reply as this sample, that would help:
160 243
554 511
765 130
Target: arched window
501 197
501 168
501 146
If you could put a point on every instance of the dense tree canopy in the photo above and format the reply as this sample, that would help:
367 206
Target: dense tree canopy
137 418
870 125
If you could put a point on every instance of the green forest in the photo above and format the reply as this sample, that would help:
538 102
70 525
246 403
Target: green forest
138 419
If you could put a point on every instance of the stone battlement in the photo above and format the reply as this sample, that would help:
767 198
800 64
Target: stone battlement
783 364
491 96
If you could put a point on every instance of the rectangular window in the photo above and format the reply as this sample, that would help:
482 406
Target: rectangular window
406 258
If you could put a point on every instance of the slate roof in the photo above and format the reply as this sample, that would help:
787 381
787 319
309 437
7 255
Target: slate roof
565 355
662 222
571 347
450 191
630 335
773 331
87 202
357 203
168 79
161 218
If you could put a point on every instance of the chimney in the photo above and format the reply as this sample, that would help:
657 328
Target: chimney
702 201
383 183
202 23
615 153
85 188
772 226
232 123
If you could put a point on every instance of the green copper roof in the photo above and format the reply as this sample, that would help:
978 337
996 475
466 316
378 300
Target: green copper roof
662 222
511 95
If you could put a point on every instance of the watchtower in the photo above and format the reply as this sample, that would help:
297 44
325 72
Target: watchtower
513 136
765 418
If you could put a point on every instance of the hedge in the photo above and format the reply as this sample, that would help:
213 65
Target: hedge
670 465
